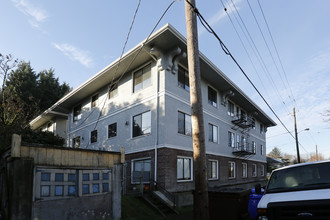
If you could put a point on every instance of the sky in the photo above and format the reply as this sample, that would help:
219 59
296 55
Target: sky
283 46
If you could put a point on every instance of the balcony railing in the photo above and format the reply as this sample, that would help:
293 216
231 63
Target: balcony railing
243 121
244 149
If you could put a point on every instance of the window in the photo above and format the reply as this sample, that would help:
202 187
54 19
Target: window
45 191
183 79
142 78
254 146
96 176
59 177
71 177
262 129
45 176
72 190
94 136
184 168
77 113
64 183
96 188
244 170
231 139
232 170
59 190
112 130
254 170
238 140
238 112
253 123
212 169
94 100
142 124
213 133
244 143
261 149
141 170
76 142
113 90
231 108
212 97
184 124
262 170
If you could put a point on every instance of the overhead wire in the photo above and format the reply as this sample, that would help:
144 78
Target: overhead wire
245 49
268 48
277 53
258 55
138 52
227 52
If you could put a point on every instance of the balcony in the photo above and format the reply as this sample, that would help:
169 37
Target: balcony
244 150
243 121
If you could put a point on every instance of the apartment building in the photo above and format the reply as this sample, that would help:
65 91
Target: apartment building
141 103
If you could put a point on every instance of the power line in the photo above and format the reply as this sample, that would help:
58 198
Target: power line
245 49
278 56
264 39
227 52
258 55
142 46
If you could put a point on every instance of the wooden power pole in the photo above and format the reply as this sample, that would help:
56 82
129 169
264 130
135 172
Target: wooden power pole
201 208
296 132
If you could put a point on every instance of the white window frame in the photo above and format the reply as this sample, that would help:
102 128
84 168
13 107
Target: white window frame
185 124
231 112
90 137
184 86
78 116
261 149
254 147
214 104
97 95
217 133
262 128
133 77
113 88
262 170
132 124
132 169
217 170
232 164
191 169
244 170
232 142
238 140
73 141
254 170
107 134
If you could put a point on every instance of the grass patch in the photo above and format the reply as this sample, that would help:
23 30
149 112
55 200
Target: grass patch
134 208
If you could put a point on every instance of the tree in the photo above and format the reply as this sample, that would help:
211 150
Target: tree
276 153
51 89
24 95
21 91
314 157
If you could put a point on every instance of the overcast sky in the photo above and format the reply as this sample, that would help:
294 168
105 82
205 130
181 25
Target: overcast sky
79 38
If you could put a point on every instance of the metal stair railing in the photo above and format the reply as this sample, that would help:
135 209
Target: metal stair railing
154 186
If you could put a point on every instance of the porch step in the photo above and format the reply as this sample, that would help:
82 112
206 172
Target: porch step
155 199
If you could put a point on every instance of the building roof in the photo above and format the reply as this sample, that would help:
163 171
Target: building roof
165 39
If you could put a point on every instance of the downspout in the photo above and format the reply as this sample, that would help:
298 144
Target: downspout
157 56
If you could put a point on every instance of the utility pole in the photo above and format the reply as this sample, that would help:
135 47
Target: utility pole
201 208
317 154
295 130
